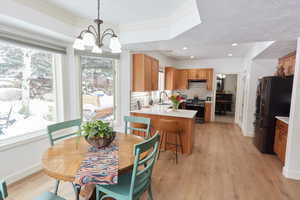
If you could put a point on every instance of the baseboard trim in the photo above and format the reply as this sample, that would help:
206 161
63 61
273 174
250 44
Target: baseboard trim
23 173
291 174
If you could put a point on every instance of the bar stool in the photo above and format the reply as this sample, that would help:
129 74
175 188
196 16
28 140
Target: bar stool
170 127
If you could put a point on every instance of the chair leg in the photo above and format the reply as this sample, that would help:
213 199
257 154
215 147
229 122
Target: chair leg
76 189
160 144
97 194
176 148
56 186
150 196
180 141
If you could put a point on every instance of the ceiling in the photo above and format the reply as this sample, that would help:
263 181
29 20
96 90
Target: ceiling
120 11
223 23
278 49
236 21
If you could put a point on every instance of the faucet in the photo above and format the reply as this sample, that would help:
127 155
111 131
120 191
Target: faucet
160 95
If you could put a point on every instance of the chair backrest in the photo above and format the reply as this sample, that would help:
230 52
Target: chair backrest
169 126
141 124
142 168
61 126
3 190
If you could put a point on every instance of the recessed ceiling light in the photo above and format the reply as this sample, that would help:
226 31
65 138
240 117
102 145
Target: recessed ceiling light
192 57
234 44
184 48
230 54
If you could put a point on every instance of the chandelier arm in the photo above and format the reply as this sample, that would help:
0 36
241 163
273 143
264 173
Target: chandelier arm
91 28
80 35
104 35
111 30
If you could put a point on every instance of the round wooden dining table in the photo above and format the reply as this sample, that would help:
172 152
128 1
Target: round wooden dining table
63 160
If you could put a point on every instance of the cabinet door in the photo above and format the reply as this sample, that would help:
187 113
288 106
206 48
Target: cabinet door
181 79
277 141
207 114
209 79
138 73
202 74
192 74
148 72
170 73
154 74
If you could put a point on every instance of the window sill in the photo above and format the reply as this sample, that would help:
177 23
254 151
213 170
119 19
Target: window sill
20 140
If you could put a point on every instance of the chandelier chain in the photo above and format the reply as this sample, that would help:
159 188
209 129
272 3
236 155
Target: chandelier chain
98 9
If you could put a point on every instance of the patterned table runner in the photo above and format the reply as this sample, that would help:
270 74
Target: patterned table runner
100 166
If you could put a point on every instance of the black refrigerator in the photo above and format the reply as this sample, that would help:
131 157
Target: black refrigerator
273 99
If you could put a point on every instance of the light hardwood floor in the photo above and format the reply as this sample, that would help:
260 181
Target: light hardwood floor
224 166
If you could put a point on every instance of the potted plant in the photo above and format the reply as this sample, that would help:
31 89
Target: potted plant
176 100
98 133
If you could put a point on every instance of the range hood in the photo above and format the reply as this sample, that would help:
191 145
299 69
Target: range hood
197 81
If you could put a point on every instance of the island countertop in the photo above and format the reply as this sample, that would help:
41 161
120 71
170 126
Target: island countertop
164 110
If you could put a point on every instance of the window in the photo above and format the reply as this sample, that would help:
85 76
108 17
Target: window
98 88
27 89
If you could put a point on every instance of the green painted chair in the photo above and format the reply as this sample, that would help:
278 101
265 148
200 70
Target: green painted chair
45 196
53 128
133 184
3 190
141 124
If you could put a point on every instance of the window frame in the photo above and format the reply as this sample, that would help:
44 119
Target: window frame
116 64
31 136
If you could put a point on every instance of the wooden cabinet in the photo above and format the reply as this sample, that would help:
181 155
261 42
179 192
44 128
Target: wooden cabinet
177 79
197 74
154 74
287 64
170 77
186 124
144 73
207 113
181 81
281 133
209 80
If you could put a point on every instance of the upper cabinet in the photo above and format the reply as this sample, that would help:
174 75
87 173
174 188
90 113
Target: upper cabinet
154 74
197 74
170 76
177 79
210 77
181 79
144 73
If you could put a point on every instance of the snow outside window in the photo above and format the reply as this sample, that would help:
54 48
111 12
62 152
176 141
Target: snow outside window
27 90
98 88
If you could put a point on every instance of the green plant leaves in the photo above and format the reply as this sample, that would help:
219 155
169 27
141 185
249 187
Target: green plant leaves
97 128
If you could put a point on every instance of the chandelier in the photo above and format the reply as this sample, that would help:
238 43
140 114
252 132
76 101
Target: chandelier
92 38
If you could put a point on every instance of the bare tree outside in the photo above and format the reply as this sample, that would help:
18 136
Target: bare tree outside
27 97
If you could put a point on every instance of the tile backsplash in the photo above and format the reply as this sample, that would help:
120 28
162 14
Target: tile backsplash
197 89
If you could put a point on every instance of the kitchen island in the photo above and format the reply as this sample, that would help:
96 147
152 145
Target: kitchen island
185 119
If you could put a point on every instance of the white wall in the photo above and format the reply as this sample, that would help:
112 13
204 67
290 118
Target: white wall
224 65
23 157
292 161
259 68
230 86
247 82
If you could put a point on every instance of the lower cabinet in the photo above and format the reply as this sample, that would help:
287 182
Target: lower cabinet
281 133
207 114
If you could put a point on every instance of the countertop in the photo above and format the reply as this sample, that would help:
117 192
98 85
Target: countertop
284 119
166 111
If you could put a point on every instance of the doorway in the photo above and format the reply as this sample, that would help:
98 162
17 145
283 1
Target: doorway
226 91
